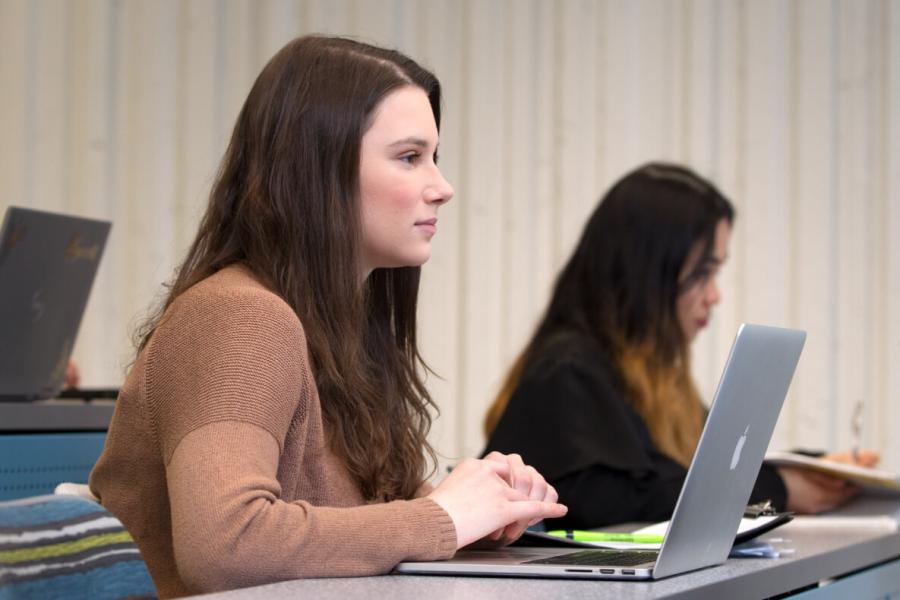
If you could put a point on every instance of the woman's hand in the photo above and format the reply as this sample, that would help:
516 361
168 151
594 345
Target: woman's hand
810 492
72 377
527 480
862 458
498 496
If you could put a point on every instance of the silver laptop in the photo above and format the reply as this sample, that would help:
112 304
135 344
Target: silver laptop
714 495
47 266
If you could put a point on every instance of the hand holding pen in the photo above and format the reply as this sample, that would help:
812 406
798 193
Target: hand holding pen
856 456
856 430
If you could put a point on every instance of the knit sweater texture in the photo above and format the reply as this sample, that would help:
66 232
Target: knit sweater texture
217 459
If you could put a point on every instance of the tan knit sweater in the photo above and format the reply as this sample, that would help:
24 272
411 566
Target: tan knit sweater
216 459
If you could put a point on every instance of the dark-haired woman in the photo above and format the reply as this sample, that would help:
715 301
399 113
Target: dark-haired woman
273 425
602 401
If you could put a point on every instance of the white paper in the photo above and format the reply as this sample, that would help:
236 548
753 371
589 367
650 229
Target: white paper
746 525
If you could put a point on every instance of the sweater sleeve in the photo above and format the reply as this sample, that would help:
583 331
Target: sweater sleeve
770 486
601 495
227 379
231 529
568 415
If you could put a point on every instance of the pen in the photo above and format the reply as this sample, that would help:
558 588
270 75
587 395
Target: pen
856 428
605 536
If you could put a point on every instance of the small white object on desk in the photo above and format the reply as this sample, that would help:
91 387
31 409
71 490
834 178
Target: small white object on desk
884 523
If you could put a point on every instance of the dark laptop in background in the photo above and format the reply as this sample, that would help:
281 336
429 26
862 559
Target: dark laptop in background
48 262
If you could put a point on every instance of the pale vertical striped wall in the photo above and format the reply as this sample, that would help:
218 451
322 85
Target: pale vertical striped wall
121 109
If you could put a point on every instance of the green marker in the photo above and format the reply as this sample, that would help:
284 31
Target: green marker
605 536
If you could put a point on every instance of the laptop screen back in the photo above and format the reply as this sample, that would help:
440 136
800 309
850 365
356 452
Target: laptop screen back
739 427
47 266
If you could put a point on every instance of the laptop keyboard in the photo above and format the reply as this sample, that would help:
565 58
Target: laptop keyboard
613 558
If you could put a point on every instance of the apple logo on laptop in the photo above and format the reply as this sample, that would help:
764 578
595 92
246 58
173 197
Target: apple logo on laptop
737 449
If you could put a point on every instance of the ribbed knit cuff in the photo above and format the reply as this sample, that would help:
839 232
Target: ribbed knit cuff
439 532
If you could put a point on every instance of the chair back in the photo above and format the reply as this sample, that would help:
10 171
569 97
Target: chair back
68 547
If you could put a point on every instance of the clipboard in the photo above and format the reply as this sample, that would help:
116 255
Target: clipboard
872 481
767 523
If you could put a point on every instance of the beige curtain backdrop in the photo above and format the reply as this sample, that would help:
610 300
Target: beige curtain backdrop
121 109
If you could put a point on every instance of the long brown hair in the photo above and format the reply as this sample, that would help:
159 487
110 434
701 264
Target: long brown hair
621 286
285 204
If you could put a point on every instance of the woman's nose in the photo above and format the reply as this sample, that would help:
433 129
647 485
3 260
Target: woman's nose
713 295
440 191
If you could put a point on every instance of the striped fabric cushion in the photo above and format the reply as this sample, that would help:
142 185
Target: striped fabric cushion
67 547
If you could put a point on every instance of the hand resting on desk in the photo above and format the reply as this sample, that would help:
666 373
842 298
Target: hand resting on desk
809 492
496 497
72 377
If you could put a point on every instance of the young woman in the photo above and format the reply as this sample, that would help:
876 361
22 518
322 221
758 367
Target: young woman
273 424
602 401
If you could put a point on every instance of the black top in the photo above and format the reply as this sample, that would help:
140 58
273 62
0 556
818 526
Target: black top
569 419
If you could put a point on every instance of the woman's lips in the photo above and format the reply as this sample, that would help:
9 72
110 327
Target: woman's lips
429 225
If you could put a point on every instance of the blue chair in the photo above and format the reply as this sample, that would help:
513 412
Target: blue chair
33 464
67 547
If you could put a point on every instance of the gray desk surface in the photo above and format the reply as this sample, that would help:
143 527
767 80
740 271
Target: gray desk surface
825 547
55 415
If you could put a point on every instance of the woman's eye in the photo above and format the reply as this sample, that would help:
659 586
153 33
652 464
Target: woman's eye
698 278
410 158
